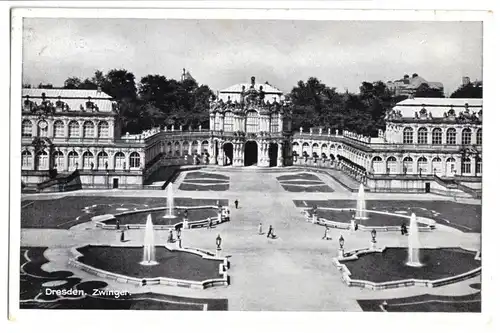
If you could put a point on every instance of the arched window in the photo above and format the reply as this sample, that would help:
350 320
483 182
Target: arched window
437 166
324 148
102 160
74 129
422 135
169 148
228 122
408 135
450 166
466 136
479 165
58 129
315 150
120 161
42 160
274 122
185 148
377 165
305 148
295 148
437 136
479 136
451 136
204 146
408 165
26 129
58 157
135 160
26 160
103 129
43 129
177 148
422 165
88 160
252 125
392 165
88 129
194 147
218 125
466 166
72 160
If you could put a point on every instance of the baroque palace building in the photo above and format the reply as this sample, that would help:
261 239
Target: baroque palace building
429 144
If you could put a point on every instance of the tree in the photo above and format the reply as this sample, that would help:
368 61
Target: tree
470 90
425 91
118 83
72 83
45 86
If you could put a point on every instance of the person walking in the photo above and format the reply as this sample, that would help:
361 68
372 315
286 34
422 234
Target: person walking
122 236
236 202
260 229
327 234
270 232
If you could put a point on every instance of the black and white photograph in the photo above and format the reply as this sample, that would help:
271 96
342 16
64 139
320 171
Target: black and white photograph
248 164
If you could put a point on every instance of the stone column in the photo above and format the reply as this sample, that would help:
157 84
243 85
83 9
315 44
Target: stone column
458 165
199 147
65 157
280 154
220 159
473 165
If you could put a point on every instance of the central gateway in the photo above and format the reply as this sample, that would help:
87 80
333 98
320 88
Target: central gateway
253 124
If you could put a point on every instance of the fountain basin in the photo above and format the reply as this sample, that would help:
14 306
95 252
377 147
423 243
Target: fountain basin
387 268
378 220
197 217
190 268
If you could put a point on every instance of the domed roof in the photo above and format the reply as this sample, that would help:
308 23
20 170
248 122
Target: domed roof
234 91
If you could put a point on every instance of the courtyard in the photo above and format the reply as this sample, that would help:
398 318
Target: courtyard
294 271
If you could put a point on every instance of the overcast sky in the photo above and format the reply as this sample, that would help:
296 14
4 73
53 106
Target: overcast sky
220 53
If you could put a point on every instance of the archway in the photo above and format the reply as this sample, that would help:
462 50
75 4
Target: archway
273 154
251 153
228 153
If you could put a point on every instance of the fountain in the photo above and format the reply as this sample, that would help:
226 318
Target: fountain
148 258
169 214
413 243
361 204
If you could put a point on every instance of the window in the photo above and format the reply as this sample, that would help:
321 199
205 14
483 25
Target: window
194 147
204 146
169 148
74 129
252 122
58 160
42 160
103 129
437 136
422 135
436 166
26 160
422 166
451 136
102 160
466 165
274 123
408 135
305 149
119 161
26 129
43 129
88 129
479 136
295 148
228 122
377 165
218 125
392 166
88 160
479 165
324 149
450 166
185 148
58 129
466 136
177 148
135 160
315 149
408 165
72 160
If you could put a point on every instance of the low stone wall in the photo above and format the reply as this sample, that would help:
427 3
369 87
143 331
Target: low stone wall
353 255
223 267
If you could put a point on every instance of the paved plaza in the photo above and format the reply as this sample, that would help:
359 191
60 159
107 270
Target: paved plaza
292 272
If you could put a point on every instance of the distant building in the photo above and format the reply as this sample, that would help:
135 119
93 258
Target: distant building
408 86
186 75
